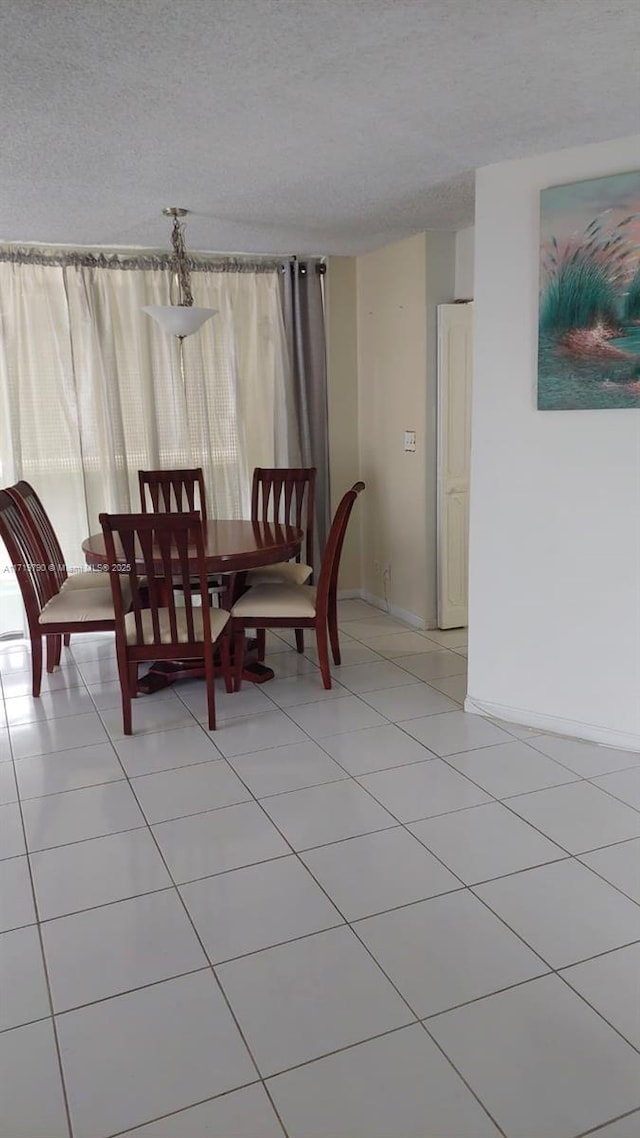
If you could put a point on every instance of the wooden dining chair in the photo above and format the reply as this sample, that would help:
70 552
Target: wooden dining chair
31 506
28 501
173 491
178 491
151 557
300 606
50 611
286 495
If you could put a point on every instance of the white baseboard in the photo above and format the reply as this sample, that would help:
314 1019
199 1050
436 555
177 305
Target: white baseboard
393 610
379 603
554 724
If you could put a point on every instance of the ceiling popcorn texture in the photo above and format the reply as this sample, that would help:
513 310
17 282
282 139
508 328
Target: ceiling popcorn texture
317 126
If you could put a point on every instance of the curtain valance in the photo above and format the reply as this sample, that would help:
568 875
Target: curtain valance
148 260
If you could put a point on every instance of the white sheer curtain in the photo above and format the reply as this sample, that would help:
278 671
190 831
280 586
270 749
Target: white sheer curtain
91 390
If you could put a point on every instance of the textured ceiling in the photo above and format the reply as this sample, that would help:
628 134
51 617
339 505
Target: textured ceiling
292 125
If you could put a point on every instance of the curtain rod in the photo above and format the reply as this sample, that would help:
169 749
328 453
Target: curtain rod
76 258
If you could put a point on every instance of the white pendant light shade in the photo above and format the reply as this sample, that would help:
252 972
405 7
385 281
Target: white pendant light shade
179 319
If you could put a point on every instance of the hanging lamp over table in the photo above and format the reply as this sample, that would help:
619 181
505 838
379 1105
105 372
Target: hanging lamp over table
183 318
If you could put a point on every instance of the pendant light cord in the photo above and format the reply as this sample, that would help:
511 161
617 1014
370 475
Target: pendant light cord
185 296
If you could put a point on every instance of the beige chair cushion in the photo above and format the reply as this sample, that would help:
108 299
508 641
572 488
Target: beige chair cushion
78 606
283 573
88 580
277 600
217 619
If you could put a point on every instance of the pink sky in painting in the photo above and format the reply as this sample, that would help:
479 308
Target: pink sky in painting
566 211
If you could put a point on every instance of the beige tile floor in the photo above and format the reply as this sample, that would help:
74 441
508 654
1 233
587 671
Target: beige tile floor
349 914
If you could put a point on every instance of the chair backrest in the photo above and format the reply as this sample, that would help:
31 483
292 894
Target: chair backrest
28 557
328 579
167 549
27 499
286 495
173 491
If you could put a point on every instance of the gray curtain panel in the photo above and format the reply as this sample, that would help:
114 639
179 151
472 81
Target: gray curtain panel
303 310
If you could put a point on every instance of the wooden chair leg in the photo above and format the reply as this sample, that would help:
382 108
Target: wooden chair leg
36 665
323 653
210 680
133 681
67 639
127 725
238 656
58 650
333 636
51 652
123 676
299 639
225 657
261 638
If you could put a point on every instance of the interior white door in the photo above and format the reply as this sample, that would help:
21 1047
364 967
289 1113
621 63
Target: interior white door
455 368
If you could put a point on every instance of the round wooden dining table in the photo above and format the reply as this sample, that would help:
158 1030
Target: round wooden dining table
230 547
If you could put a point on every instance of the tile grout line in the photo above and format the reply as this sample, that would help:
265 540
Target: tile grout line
505 802
567 855
615 797
354 779
618 1031
610 1121
362 774
90 908
380 968
531 949
574 856
558 971
585 742
345 922
184 1109
45 967
376 963
352 776
115 995
207 957
363 944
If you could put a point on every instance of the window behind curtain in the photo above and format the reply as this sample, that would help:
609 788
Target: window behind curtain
91 390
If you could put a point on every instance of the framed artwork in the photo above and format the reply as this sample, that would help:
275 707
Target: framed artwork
589 314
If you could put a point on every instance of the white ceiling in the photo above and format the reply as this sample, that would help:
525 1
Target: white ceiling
315 126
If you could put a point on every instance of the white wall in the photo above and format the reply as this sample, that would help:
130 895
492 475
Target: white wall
555 496
464 263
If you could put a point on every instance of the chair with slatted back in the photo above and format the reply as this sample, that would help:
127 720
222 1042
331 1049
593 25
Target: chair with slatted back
31 505
300 606
173 491
286 495
177 491
50 611
148 557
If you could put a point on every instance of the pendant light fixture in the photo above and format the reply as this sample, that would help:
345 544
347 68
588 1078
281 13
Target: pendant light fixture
183 318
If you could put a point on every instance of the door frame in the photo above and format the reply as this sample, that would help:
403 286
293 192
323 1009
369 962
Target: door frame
440 426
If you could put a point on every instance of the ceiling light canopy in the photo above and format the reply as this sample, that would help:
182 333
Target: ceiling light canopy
183 318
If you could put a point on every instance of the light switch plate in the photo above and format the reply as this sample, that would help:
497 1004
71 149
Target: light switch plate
409 440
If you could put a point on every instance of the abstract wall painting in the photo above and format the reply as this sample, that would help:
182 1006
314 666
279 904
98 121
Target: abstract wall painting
589 315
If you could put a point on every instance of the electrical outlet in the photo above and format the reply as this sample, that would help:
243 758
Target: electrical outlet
409 440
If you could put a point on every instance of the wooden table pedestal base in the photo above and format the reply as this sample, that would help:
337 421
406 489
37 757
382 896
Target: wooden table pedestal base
166 672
